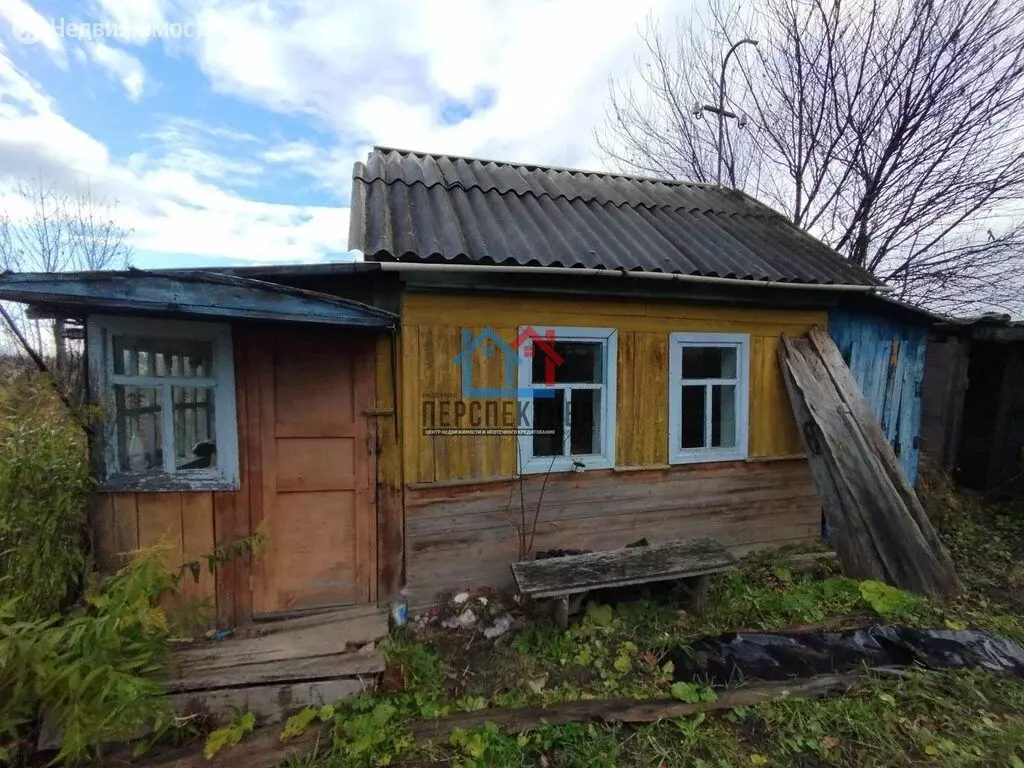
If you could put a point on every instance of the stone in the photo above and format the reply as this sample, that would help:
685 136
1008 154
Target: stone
498 627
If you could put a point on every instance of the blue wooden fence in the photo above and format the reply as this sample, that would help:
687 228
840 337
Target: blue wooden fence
887 360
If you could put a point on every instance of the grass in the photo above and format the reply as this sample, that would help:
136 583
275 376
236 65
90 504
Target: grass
921 718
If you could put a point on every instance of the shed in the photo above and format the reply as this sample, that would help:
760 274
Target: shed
528 359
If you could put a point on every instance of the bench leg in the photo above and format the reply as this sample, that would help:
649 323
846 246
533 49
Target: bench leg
561 611
698 589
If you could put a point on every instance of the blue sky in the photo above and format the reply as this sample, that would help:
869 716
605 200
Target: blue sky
226 131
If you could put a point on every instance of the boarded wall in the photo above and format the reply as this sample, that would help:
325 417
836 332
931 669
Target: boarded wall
189 525
461 535
887 360
461 497
432 341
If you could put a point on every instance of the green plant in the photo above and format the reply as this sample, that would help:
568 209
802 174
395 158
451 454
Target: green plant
44 483
886 600
90 670
299 723
369 732
692 693
487 747
229 734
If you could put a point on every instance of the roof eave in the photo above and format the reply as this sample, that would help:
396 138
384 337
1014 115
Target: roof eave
195 294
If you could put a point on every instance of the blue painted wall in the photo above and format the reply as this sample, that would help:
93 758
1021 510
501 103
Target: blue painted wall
886 358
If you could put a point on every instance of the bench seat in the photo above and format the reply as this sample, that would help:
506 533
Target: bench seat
561 577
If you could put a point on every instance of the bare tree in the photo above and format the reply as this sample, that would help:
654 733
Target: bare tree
44 228
892 129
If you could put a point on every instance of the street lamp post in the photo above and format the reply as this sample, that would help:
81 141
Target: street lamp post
720 109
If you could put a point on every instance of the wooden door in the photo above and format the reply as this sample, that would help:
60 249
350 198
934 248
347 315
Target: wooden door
314 470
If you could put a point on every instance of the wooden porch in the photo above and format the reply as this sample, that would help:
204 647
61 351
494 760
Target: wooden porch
273 668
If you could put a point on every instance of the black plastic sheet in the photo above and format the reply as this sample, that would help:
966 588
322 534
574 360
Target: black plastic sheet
781 656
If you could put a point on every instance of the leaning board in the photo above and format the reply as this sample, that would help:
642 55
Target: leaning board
573 574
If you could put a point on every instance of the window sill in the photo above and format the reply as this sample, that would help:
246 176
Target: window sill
706 458
540 466
159 482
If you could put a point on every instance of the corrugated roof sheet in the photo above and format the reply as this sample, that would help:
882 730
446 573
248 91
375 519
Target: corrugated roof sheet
412 206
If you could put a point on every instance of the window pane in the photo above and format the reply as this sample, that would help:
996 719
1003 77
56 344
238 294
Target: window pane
139 428
195 444
723 416
186 358
709 362
549 416
693 418
585 422
582 362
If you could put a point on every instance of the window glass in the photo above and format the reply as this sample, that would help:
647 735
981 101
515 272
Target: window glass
168 390
140 428
693 417
549 417
709 362
163 357
582 362
195 440
585 422
723 415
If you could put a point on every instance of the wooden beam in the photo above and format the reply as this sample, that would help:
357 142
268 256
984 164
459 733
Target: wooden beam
265 749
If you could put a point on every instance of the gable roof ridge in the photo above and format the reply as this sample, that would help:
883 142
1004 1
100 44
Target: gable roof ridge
556 168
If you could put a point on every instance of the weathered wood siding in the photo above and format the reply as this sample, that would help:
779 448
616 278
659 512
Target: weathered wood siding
887 359
460 535
431 340
300 403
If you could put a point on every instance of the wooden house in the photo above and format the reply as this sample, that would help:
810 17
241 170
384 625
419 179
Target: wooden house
527 359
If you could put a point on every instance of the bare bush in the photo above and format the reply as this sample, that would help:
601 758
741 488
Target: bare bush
891 129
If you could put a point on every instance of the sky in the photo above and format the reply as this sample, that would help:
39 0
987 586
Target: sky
226 131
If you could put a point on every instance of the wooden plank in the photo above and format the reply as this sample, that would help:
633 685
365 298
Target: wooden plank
621 567
512 721
126 525
160 525
625 314
270 703
390 478
101 529
266 750
865 488
364 394
323 640
197 544
160 530
231 508
201 677
377 626
876 440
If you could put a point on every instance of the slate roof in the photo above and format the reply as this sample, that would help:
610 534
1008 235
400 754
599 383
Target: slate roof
412 206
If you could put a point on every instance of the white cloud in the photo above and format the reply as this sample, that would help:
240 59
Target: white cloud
124 67
380 71
330 168
167 195
373 71
30 27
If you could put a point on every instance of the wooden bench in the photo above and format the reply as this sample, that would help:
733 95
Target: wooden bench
689 562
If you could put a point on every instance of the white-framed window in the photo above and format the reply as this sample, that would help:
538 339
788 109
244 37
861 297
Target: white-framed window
567 393
167 388
709 385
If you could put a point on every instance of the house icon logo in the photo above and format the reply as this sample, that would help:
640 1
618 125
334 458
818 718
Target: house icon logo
527 345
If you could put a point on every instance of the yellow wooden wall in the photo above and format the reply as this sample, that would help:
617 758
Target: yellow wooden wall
431 339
